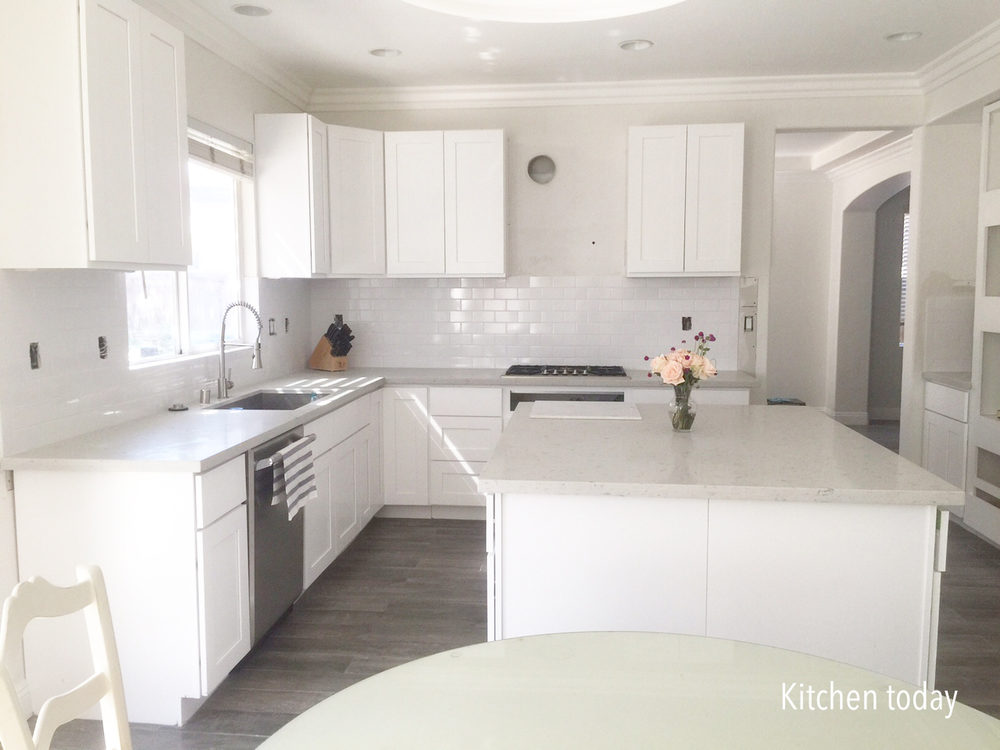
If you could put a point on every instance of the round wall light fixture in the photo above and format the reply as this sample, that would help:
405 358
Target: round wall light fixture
542 169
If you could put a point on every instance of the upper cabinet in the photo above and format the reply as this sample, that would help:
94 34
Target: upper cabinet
292 196
444 203
319 195
685 200
95 161
357 201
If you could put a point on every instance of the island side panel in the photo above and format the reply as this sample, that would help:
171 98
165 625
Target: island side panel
848 582
576 563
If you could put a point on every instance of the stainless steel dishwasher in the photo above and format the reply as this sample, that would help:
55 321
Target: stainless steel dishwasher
275 542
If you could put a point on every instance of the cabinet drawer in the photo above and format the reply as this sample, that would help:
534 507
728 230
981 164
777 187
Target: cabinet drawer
464 438
948 402
337 426
466 402
218 491
454 483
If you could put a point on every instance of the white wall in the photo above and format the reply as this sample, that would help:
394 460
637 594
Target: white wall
575 225
944 205
885 361
800 256
496 322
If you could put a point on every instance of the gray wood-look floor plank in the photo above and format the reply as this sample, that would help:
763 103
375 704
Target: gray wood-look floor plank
409 588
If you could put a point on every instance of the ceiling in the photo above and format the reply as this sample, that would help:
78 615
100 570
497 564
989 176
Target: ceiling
324 44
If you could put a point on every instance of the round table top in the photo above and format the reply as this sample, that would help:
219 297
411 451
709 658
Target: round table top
633 690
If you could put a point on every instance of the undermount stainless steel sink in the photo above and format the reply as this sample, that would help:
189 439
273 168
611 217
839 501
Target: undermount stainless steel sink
272 401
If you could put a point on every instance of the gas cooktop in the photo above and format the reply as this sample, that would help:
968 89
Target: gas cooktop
604 371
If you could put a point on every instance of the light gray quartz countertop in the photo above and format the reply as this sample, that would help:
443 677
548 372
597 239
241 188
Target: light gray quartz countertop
198 439
445 376
734 452
960 381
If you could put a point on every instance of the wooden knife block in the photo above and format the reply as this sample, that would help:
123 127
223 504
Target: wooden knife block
321 358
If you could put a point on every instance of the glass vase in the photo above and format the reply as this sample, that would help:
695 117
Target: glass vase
682 409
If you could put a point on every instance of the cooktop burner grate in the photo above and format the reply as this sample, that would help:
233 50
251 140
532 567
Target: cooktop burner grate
606 371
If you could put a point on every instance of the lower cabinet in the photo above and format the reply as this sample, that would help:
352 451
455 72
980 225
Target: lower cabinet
223 596
173 548
347 487
435 442
946 432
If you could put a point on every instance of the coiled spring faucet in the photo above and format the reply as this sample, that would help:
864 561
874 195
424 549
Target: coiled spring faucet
255 364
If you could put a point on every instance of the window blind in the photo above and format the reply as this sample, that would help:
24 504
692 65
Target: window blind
217 147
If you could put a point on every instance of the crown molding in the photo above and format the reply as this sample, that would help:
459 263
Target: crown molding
208 31
960 59
901 148
613 92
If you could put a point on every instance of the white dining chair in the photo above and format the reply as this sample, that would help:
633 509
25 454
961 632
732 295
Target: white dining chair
38 598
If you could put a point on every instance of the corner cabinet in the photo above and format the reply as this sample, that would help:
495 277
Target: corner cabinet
291 195
444 203
685 200
173 548
97 177
319 196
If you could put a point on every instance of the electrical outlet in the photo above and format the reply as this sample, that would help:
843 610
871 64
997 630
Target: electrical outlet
33 355
102 347
686 323
271 329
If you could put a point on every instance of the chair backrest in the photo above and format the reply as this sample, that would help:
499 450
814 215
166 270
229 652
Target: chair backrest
38 598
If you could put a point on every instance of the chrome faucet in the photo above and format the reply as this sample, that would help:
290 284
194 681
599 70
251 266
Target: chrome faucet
224 382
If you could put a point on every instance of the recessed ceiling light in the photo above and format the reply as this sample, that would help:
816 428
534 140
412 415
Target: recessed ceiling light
632 45
542 11
255 11
385 52
903 36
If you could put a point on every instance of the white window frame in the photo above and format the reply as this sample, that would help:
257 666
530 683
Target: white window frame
233 156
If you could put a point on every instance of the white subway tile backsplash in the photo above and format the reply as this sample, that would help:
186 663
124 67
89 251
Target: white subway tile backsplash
577 319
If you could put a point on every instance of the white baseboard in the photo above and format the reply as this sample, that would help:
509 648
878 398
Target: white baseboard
887 413
851 417
449 512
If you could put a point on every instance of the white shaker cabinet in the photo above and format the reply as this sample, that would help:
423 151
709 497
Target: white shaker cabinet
357 201
173 548
444 203
946 431
292 195
685 200
97 177
405 426
346 442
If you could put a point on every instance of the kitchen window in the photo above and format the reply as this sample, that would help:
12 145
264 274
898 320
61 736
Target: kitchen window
175 313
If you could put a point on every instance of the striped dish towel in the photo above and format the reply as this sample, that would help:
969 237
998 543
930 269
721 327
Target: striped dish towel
294 477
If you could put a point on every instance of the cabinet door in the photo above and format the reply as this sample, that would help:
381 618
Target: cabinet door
945 447
375 490
164 135
357 201
319 544
713 223
656 186
404 443
474 223
223 596
414 203
349 487
319 196
292 197
113 125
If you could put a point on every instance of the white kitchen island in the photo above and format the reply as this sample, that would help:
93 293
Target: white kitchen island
773 525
